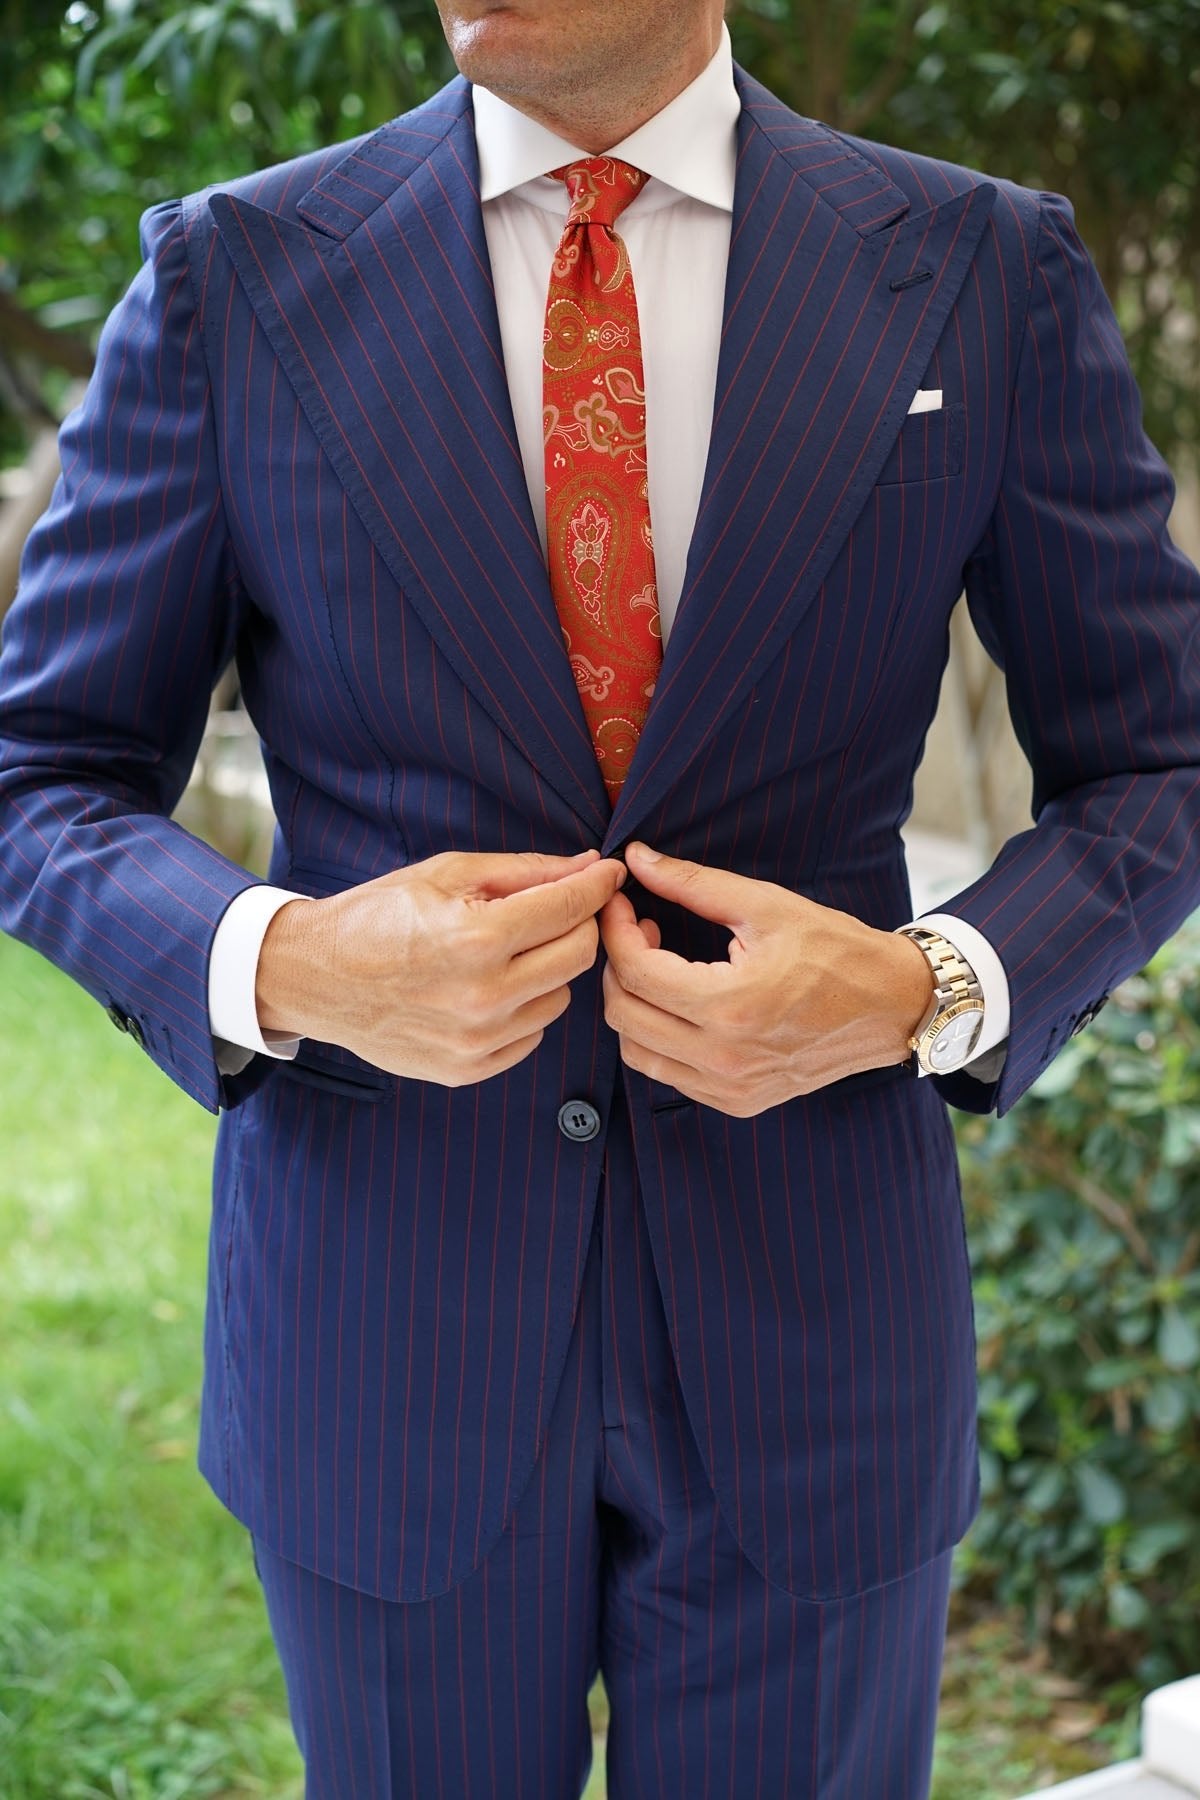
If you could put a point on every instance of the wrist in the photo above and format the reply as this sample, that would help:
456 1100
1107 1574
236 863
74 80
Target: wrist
943 1041
912 989
283 983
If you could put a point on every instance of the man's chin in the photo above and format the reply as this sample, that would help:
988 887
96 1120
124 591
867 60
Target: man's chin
500 51
496 36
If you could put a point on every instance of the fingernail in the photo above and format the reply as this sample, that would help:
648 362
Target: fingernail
645 852
622 875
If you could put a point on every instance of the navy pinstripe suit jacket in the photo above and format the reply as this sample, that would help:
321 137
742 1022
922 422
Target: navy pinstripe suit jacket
298 448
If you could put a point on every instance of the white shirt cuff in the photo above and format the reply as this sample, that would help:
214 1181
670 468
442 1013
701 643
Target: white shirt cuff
232 974
974 947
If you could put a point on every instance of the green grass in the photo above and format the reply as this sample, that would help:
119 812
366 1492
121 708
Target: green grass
135 1659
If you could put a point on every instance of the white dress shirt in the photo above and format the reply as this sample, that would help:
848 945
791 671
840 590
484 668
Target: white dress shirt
677 231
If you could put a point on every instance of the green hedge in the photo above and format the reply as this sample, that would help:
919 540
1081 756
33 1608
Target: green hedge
1083 1213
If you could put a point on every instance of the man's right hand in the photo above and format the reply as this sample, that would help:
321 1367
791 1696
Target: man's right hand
449 970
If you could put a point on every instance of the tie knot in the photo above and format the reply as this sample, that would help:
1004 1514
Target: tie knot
600 188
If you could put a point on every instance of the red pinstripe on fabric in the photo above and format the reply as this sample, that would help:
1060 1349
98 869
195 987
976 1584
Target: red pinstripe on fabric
337 495
500 648
866 1718
754 647
477 395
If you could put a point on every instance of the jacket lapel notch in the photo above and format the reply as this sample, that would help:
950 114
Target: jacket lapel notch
374 167
841 177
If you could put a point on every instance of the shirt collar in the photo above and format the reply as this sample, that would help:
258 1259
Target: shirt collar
691 145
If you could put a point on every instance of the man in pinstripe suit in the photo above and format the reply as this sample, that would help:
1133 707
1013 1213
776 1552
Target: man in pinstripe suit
587 1285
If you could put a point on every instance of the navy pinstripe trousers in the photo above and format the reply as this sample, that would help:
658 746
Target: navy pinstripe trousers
617 1559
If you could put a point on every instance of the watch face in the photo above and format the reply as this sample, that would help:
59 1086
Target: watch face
952 1045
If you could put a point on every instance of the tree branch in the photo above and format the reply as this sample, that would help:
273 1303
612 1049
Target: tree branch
886 84
21 396
20 330
783 45
1093 1195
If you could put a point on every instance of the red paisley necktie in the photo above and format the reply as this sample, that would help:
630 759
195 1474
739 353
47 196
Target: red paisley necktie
600 551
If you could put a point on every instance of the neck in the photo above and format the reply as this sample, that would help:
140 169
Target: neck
596 120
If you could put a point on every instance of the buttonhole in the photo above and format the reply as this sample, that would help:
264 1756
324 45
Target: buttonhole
913 280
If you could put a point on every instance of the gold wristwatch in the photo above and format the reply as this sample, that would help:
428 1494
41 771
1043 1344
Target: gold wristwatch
947 1035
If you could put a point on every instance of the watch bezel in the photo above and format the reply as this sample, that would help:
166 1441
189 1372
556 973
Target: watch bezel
923 1044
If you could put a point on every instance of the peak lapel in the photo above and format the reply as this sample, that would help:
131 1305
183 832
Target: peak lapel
819 360
381 309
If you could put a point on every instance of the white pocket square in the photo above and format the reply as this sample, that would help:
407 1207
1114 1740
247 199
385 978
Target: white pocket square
927 400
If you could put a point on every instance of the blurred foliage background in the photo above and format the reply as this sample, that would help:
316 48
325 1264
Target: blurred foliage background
1083 1205
1083 1218
106 108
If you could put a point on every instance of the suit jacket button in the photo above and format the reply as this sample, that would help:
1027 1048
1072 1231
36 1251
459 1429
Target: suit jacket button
136 1033
579 1121
118 1017
1087 1015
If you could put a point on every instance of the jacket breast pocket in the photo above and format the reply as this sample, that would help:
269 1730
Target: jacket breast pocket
929 447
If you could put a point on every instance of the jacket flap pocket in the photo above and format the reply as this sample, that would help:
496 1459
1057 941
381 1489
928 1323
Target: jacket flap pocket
339 1071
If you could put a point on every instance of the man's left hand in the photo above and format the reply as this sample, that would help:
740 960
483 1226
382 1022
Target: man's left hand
808 995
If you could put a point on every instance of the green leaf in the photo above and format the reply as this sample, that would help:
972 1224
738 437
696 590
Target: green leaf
1045 1493
932 20
1062 1074
1006 93
1181 1137
991 1478
1128 1610
1101 1497
996 62
1162 1191
96 47
1113 1371
1151 1543
1167 1405
314 48
1178 1339
157 42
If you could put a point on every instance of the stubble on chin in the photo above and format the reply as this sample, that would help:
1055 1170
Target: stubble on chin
593 85
513 64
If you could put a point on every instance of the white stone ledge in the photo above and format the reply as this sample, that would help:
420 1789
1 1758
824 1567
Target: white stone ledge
1125 1781
1169 1766
1171 1733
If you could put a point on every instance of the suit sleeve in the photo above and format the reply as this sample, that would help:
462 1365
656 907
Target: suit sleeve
126 612
1078 592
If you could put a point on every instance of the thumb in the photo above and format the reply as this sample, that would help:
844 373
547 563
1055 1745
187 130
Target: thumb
716 894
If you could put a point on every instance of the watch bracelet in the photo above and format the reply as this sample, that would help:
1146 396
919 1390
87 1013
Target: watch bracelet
955 981
954 978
